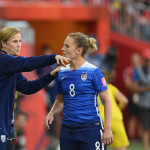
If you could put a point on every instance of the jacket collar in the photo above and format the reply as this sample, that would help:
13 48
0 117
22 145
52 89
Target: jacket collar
3 52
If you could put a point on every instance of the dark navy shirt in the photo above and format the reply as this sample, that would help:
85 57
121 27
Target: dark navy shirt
11 79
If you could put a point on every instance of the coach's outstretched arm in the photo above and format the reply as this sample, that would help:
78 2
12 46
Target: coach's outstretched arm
30 87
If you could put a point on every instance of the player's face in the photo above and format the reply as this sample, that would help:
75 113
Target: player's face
13 45
70 49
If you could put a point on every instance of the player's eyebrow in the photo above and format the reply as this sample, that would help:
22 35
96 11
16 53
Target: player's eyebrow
66 45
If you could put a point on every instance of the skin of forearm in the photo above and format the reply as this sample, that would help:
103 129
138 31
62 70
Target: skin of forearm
108 114
122 105
139 89
57 107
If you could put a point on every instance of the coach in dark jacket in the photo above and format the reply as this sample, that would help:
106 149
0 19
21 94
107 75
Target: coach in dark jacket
11 78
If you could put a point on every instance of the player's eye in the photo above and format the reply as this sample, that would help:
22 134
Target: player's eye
67 46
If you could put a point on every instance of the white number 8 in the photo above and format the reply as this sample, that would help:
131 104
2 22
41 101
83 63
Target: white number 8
72 92
97 145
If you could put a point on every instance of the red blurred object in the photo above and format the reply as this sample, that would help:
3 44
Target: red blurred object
146 53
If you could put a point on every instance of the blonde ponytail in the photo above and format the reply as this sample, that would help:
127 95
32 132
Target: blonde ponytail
92 43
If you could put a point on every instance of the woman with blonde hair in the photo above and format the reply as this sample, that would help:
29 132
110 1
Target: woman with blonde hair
11 78
79 83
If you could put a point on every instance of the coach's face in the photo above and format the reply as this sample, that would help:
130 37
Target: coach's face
13 45
70 49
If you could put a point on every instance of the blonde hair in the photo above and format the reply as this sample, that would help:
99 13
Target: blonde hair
83 41
6 33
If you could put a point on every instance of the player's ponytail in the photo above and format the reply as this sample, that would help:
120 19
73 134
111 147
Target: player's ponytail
92 43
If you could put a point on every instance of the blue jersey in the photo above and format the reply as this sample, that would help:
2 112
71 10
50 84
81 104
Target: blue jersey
11 79
80 89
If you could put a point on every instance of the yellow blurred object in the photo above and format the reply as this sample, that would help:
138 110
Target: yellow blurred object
116 5
16 97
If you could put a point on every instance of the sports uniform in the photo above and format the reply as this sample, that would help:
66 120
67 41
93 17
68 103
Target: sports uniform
11 79
82 126
117 126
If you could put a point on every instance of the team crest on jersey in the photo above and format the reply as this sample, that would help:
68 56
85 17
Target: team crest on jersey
3 138
83 77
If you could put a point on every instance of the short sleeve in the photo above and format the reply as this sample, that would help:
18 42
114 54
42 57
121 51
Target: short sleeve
58 89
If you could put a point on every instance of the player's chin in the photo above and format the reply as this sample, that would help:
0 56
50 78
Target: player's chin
17 53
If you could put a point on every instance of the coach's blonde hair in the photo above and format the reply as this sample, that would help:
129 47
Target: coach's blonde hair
6 33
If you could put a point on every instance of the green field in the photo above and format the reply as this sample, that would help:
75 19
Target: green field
133 146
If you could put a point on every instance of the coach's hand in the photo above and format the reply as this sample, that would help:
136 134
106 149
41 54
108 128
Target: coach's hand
61 60
107 138
48 121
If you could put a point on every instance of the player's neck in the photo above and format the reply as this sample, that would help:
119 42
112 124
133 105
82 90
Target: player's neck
75 64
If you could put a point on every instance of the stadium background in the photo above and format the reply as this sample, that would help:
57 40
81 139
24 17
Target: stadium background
49 21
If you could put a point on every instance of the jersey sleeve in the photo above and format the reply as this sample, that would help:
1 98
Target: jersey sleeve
12 64
30 87
99 81
58 89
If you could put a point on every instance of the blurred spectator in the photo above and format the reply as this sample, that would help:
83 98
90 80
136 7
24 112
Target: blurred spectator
20 123
142 22
136 61
110 59
142 81
93 57
51 88
119 102
115 8
147 30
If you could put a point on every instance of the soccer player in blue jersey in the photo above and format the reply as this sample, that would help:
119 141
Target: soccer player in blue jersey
11 78
79 83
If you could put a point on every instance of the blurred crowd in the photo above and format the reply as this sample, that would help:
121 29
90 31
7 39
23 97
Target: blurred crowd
131 18
100 2
128 17
136 79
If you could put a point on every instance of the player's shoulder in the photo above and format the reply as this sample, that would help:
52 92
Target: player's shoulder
89 65
65 68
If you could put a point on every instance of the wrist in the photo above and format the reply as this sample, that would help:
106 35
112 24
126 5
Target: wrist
50 114
56 56
107 128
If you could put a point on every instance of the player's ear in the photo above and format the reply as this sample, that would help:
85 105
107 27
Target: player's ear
3 43
79 50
